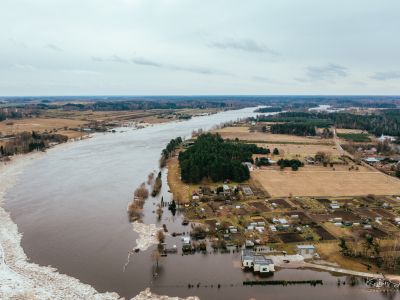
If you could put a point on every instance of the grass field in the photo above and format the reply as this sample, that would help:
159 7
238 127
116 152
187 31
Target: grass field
355 137
301 150
178 188
41 125
320 181
330 252
345 130
243 133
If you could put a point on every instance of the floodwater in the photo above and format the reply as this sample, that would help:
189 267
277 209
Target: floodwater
71 205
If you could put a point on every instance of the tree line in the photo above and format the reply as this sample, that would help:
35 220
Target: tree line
302 129
169 149
385 122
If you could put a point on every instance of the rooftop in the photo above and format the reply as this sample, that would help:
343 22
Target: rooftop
305 247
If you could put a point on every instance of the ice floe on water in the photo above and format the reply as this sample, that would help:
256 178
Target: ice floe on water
148 295
147 235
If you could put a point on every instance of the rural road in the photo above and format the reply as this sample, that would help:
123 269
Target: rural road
338 146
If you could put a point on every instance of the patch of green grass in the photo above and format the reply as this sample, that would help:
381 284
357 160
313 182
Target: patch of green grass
355 137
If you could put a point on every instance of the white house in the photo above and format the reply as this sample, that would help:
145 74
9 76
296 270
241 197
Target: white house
259 263
382 138
263 264
186 240
305 250
247 258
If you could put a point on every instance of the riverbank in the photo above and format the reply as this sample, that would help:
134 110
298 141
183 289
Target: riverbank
178 188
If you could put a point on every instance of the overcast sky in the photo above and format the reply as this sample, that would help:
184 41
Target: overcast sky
171 47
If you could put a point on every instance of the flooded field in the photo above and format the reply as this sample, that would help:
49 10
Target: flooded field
70 205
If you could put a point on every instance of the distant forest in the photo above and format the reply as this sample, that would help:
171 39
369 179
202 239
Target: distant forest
385 122
212 157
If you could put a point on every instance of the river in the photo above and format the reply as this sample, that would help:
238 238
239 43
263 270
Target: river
70 205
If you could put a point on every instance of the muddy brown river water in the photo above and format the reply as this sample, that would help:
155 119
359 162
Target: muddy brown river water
71 205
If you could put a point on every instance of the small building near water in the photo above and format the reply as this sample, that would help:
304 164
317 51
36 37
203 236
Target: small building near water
258 263
263 264
305 250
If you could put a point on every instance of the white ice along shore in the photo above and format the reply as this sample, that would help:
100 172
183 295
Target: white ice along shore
20 279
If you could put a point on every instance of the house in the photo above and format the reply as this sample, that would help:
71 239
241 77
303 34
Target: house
282 221
334 205
185 240
383 138
371 160
305 250
263 264
310 160
247 258
186 243
248 165
227 189
259 263
249 244
247 190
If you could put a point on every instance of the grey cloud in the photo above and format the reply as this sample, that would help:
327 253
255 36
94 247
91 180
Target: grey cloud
243 45
80 72
328 72
112 58
97 59
24 67
191 69
18 43
386 75
151 63
54 48
261 79
146 62
199 70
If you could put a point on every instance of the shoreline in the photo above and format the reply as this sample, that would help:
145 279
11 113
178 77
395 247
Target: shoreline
22 279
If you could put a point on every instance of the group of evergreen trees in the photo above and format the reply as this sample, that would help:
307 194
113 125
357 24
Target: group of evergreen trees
212 157
386 122
302 129
269 109
262 161
295 164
